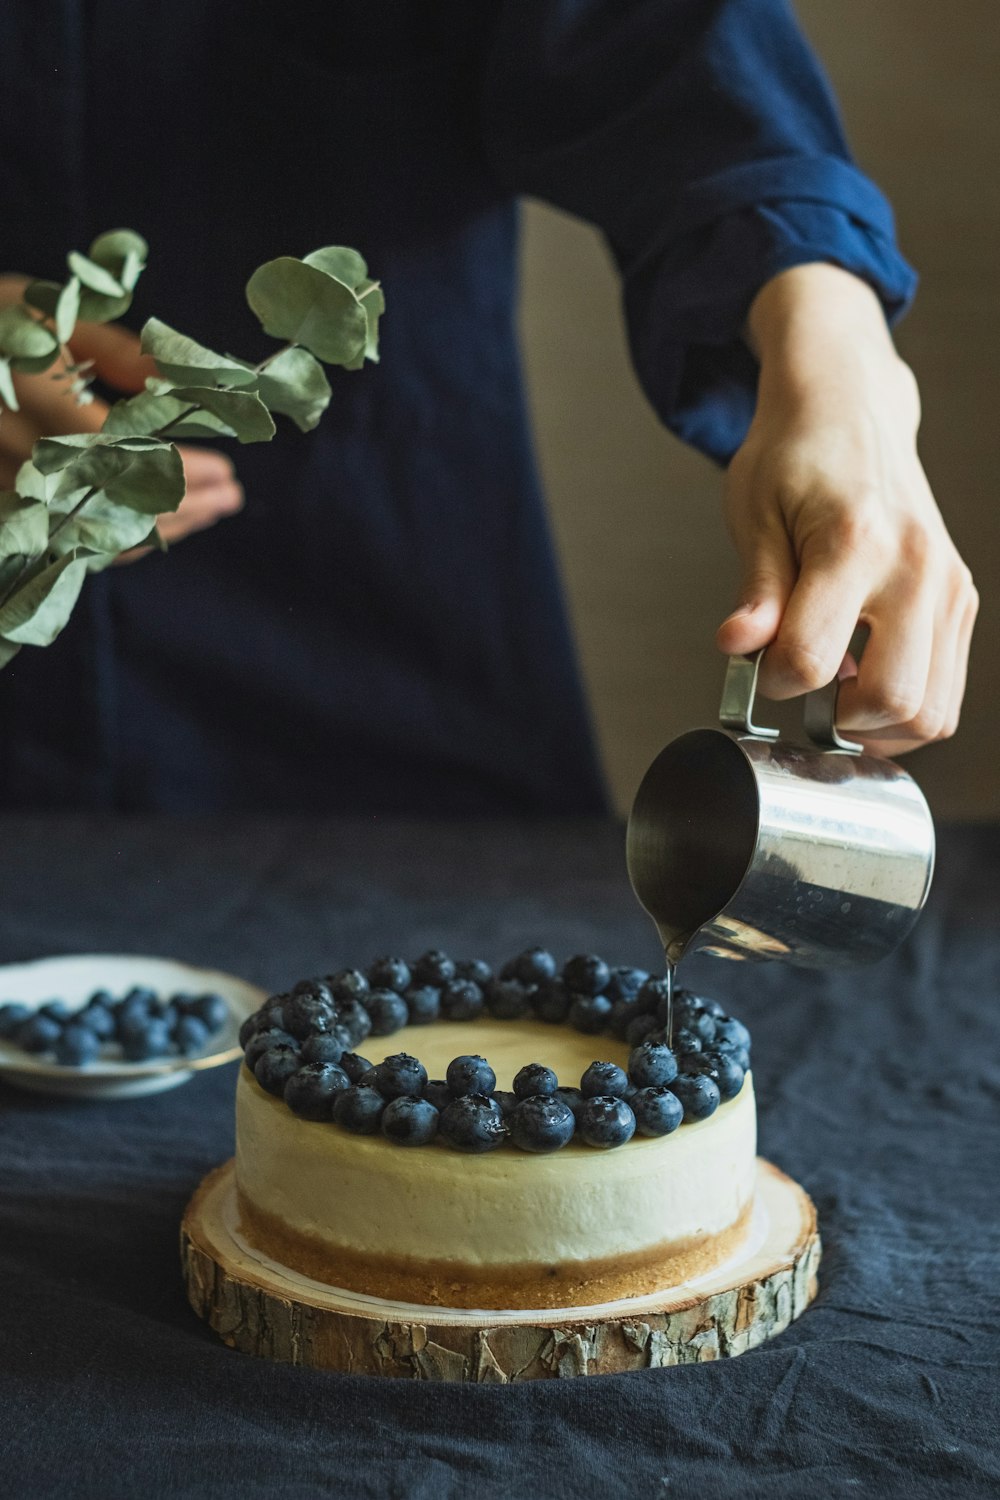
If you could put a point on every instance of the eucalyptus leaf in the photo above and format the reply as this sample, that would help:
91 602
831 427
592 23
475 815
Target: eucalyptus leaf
184 362
295 384
142 472
32 484
340 262
96 308
21 334
96 277
243 411
372 299
37 611
43 295
24 525
101 526
149 412
49 455
8 650
8 395
123 253
306 306
67 310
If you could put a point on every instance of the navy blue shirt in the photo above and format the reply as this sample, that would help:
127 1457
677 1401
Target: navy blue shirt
382 628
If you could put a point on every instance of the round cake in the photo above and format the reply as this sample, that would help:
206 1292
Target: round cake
467 1169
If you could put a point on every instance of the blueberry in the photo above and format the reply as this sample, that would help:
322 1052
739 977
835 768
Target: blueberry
507 1100
625 983
433 967
724 1068
658 1110
740 1054
508 999
390 974
348 984
586 974
541 1123
605 1121
130 1024
686 1039
470 1075
262 1040
183 1002
651 1065
272 1013
11 1016
534 966
551 1002
310 1092
140 994
77 1046
698 1093
640 1028
102 998
359 1109
248 1029
313 989
275 1066
354 1065
423 1003
437 1092
324 1047
462 1000
306 1014
354 1018
152 1041
590 1013
400 1074
694 1017
387 1012
654 993
535 1078
410 1122
211 1009
55 1010
475 969
623 1013
604 1078
572 1097
728 1029
473 1123
38 1033
190 1035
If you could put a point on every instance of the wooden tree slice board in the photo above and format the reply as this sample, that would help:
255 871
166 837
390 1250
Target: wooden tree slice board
262 1308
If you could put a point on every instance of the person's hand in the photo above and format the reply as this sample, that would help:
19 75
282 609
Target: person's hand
48 408
835 523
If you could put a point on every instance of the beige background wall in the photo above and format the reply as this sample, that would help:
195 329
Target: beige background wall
646 562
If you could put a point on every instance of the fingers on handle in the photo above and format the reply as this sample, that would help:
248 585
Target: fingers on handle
768 580
816 627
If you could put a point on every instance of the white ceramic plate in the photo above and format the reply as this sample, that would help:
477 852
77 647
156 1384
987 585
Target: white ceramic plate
75 978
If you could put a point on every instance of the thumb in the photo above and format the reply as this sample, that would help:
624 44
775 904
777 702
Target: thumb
116 355
768 579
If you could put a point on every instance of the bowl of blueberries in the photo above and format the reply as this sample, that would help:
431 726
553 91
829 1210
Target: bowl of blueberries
102 1025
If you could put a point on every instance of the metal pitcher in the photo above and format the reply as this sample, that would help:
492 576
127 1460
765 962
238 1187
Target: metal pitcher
746 846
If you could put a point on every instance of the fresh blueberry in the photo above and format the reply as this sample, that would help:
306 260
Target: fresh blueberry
693 1017
625 983
152 1041
541 1123
354 1018
410 1122
586 974
651 1065
462 1000
390 974
313 989
310 1092
698 1093
190 1034
211 1009
535 1078
324 1047
605 1121
348 984
534 966
56 1010
652 994
262 1040
623 1013
103 998
11 1017
572 1097
740 1054
657 1110
590 1013
604 1078
473 1123
423 1003
307 1014
475 969
470 1075
140 994
723 1068
354 1065
359 1110
508 999
248 1028
38 1033
640 1029
77 1046
433 967
437 1092
274 1067
130 1024
551 1002
400 1074
686 1039
387 1012
728 1029
507 1100
184 1002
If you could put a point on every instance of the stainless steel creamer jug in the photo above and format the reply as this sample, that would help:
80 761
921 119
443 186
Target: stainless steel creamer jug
748 847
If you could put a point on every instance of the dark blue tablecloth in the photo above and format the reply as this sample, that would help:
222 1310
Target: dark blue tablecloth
879 1091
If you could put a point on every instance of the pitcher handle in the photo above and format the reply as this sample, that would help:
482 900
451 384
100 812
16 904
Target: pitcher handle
739 691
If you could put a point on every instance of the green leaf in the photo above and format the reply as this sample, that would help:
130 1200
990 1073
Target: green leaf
371 297
24 525
149 412
101 526
123 253
242 411
22 335
306 306
67 310
142 472
38 610
96 308
184 362
153 482
32 484
43 295
340 262
49 455
8 395
295 384
94 276
8 650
